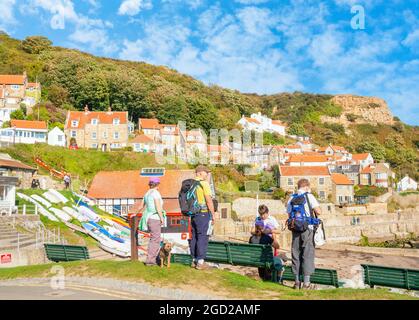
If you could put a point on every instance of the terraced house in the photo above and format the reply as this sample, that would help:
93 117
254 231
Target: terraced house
319 177
97 129
14 91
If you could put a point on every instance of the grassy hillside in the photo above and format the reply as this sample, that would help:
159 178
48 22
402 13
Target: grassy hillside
82 163
72 79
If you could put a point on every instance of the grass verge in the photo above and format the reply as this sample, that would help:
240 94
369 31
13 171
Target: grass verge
214 281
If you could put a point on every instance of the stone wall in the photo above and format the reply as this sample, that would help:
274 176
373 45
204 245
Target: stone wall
248 206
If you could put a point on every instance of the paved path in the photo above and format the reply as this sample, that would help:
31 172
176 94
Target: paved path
93 288
71 292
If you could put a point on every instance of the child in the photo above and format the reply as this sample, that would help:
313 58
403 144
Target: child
265 231
269 225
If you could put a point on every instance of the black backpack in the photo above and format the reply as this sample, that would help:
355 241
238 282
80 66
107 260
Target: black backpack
188 201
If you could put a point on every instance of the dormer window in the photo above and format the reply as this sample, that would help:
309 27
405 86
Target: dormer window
116 121
94 122
74 123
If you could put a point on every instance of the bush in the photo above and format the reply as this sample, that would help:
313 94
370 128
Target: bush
279 194
351 117
35 44
373 191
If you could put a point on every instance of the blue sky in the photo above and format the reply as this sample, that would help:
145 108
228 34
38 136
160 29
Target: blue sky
262 46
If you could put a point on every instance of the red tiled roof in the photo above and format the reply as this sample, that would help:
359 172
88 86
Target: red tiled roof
292 147
169 205
341 179
278 123
103 117
149 123
12 79
217 148
304 171
33 85
308 158
15 164
142 138
366 170
338 148
26 124
131 185
360 156
252 120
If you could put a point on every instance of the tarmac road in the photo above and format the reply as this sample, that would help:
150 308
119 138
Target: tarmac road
71 292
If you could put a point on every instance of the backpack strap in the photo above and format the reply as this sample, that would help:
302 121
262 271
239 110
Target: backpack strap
309 205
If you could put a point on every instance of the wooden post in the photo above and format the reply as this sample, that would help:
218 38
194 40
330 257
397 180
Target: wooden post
133 222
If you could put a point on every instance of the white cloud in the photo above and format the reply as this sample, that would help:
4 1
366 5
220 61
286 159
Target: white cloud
7 17
133 7
86 33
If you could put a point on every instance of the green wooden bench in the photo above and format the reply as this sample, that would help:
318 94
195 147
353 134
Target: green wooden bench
253 255
391 277
60 252
327 277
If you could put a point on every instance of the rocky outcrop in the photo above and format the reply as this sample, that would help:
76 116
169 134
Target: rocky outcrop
358 110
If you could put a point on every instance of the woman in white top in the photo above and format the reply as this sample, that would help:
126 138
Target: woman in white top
152 219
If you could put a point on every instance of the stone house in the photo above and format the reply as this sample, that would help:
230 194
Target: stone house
97 129
319 177
342 189
352 171
377 174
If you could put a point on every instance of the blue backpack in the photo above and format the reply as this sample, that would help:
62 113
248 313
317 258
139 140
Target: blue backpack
188 201
298 220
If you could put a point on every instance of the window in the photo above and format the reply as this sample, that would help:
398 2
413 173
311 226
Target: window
60 138
321 181
224 213
175 221
322 195
15 87
73 134
105 135
116 135
94 135
94 145
74 123
290 182
94 122
116 121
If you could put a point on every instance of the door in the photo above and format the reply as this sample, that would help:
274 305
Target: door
104 147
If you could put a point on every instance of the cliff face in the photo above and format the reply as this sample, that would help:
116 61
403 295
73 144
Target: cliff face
361 110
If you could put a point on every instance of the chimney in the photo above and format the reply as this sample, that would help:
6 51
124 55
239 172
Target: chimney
110 110
86 109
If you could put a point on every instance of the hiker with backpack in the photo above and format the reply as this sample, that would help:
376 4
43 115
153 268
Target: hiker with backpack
195 200
152 219
303 209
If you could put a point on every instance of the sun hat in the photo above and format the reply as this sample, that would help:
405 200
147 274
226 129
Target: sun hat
154 180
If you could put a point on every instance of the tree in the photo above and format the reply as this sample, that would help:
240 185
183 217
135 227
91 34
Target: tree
36 44
374 147
58 95
297 129
17 115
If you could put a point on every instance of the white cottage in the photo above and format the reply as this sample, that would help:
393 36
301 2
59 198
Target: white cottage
407 183
24 131
56 137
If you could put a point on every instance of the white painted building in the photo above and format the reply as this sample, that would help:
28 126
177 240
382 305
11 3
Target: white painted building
56 137
407 183
24 131
8 194
261 123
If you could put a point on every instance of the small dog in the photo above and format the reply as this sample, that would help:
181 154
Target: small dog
165 254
